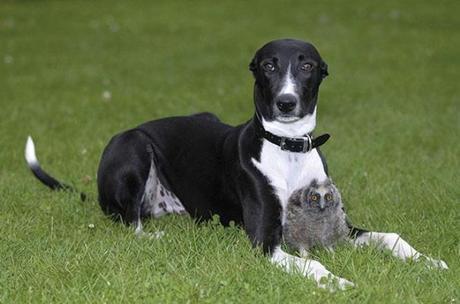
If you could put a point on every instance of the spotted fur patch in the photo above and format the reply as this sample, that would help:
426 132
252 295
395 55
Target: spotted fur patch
158 200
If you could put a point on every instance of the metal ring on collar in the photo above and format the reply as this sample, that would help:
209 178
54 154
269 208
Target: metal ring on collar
309 147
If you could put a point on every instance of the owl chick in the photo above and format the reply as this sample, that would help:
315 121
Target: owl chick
315 217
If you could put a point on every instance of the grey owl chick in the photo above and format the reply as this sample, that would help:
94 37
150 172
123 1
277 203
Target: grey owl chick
315 217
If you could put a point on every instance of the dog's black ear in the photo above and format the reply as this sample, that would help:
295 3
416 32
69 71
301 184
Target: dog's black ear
253 65
323 67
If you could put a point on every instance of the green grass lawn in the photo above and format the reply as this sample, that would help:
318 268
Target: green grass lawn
391 103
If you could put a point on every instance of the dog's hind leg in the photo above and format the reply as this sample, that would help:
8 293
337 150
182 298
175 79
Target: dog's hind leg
398 247
156 199
130 195
130 182
134 213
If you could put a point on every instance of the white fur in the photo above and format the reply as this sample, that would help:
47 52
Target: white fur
139 232
288 171
289 86
308 268
31 158
297 128
398 247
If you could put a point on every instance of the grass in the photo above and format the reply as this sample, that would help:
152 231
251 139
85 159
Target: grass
391 104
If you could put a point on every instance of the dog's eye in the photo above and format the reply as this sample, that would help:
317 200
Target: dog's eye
307 67
269 67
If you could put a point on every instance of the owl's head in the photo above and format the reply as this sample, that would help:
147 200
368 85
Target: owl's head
318 196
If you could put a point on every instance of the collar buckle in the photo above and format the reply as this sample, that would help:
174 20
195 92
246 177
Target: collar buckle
304 142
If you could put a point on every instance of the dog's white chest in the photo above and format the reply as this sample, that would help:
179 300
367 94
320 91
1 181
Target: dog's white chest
288 171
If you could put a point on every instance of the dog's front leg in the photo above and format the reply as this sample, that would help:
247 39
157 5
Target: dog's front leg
263 226
398 247
308 268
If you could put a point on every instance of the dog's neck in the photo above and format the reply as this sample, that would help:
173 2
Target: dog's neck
298 128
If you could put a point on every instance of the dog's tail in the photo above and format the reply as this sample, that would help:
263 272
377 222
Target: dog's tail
42 176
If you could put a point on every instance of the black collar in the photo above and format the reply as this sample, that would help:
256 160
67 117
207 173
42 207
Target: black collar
293 144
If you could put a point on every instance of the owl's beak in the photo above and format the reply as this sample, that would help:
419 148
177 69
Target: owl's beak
322 205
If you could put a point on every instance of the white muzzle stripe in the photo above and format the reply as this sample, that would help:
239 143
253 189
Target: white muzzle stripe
289 86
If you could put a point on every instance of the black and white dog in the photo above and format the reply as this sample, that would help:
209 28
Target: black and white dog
201 166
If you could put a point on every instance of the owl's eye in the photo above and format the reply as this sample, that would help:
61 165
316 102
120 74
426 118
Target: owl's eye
328 197
314 197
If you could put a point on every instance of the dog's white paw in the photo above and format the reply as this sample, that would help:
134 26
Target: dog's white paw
435 264
157 234
334 283
151 235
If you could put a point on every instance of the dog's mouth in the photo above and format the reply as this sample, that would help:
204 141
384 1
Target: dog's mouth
287 118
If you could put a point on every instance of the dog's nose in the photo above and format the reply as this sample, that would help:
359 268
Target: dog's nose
286 103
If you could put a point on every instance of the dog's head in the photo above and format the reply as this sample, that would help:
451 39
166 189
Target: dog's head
287 75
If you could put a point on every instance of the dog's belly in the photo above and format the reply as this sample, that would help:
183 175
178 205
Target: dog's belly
157 199
288 171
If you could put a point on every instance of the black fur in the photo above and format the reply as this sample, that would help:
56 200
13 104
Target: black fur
51 182
282 54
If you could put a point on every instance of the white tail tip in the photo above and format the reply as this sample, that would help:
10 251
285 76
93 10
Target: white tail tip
31 158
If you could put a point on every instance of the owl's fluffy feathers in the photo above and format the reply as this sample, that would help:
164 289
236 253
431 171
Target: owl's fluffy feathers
311 223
